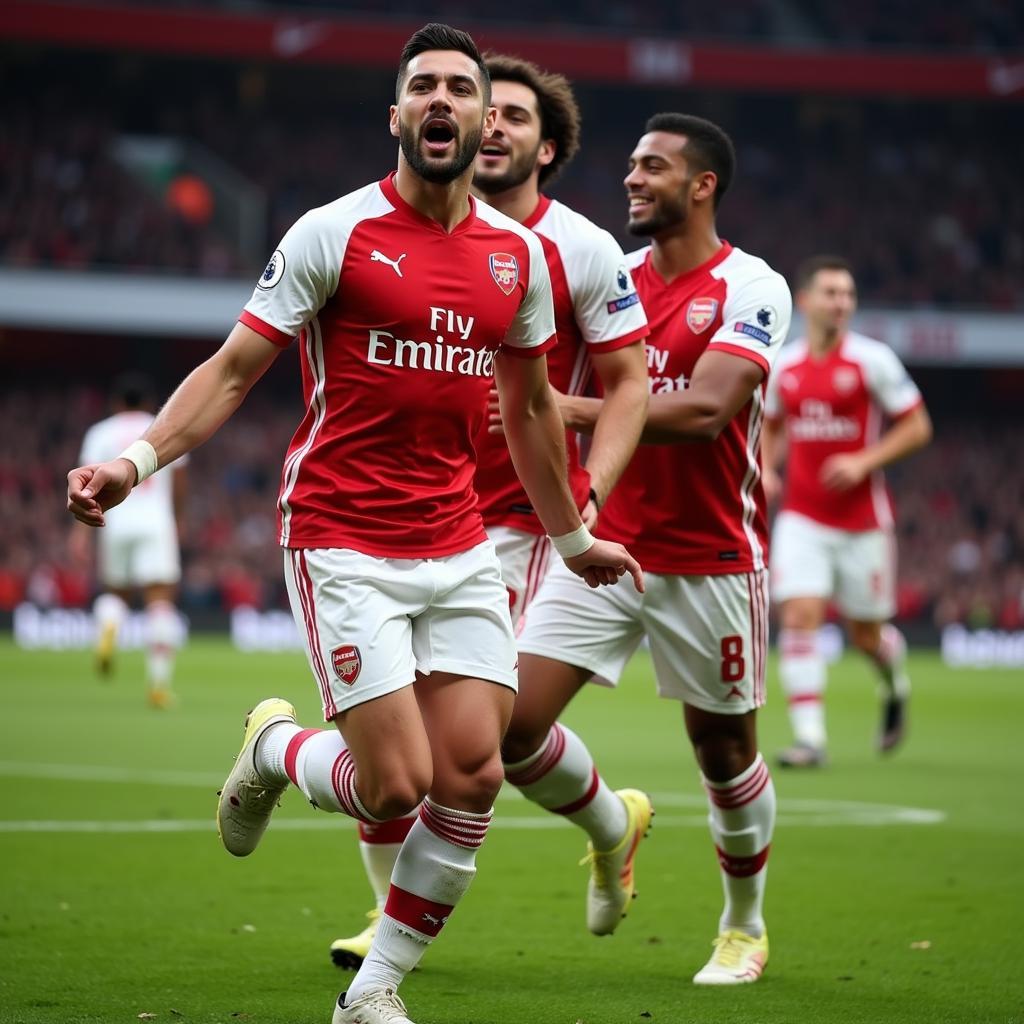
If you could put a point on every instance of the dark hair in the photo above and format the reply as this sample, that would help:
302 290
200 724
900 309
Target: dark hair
805 273
708 147
132 389
559 112
436 36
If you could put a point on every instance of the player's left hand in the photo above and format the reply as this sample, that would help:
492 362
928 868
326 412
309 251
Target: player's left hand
604 562
94 489
841 472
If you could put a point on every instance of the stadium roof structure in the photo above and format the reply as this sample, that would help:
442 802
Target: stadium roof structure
365 41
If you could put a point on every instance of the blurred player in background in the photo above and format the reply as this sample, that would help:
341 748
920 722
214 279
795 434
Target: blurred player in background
138 551
600 326
405 289
691 501
833 538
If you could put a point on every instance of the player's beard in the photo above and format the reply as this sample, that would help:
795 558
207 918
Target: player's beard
433 171
667 213
518 170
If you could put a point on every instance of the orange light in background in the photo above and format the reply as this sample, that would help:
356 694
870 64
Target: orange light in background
190 197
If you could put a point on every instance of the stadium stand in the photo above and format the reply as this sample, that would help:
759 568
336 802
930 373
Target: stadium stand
937 218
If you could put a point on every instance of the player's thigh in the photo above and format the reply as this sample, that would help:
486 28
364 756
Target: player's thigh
354 612
866 576
155 557
709 639
593 630
802 558
389 745
465 628
524 559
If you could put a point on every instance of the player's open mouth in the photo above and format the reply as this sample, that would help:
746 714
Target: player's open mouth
492 150
438 136
639 204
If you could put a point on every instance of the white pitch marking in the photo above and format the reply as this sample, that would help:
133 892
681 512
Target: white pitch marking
895 816
795 812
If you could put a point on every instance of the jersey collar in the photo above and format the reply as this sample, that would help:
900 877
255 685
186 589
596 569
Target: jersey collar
538 212
692 275
387 186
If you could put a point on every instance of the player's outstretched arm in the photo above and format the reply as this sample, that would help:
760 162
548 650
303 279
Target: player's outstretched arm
536 442
908 434
721 385
200 404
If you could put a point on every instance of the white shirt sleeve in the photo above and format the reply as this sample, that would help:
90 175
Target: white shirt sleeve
301 276
534 322
756 318
604 297
772 397
889 383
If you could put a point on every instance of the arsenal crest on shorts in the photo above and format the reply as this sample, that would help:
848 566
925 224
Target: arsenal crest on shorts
347 662
504 270
700 313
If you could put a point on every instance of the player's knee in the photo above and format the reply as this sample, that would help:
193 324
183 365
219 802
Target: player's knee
396 797
525 736
865 636
723 756
473 781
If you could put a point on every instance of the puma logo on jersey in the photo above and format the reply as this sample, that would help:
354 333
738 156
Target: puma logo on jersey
378 257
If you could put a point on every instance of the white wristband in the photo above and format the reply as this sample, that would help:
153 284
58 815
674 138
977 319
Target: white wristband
142 455
569 545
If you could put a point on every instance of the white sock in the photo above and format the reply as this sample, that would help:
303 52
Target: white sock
434 869
315 760
161 642
742 820
561 777
802 671
891 661
109 609
379 846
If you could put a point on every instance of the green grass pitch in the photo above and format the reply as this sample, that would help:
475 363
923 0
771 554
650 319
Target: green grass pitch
895 891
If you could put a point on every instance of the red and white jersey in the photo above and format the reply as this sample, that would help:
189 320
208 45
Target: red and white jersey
150 506
399 321
832 405
698 509
596 310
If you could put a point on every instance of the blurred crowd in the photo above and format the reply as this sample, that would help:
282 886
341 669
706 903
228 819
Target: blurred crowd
65 202
960 507
983 25
924 199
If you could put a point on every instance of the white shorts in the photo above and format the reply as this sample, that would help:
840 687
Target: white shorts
371 624
525 559
857 569
708 634
138 558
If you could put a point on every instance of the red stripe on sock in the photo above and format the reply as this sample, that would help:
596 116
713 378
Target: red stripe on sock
578 805
742 867
459 830
343 780
554 747
742 794
292 753
804 698
387 832
415 912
